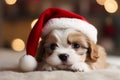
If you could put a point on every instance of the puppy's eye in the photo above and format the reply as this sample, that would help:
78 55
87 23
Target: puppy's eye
75 45
53 46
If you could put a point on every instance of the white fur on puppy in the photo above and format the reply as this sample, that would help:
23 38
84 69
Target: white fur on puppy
81 66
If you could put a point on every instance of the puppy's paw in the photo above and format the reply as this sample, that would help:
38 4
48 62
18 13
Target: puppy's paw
47 67
81 67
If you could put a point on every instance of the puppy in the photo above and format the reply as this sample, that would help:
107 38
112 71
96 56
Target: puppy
69 49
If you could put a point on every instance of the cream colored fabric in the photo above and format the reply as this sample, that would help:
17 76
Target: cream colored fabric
61 75
9 70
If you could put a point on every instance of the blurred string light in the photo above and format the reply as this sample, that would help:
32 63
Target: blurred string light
18 44
111 6
40 39
33 22
32 25
10 2
100 2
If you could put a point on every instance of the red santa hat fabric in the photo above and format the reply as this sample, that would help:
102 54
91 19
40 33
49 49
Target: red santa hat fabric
53 18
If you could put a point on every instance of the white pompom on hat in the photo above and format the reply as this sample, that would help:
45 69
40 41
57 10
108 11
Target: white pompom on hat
50 19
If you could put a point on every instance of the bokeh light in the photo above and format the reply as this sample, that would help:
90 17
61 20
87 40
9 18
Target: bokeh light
111 6
10 2
18 44
33 22
100 2
40 39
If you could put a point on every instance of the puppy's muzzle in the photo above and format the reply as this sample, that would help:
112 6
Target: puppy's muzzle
63 57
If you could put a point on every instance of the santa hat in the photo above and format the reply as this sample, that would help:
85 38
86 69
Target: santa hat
50 19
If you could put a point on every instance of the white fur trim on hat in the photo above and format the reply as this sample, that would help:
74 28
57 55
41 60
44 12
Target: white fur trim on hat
74 23
28 63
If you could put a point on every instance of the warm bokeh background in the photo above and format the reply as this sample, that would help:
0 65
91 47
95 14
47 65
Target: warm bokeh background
17 16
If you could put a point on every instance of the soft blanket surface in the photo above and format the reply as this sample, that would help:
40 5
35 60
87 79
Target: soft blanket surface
61 75
9 70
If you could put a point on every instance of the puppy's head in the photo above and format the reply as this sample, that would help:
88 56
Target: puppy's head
63 48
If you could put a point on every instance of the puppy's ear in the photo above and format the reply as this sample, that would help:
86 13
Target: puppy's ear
92 53
40 51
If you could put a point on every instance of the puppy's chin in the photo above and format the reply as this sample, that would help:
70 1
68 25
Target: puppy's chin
63 66
60 65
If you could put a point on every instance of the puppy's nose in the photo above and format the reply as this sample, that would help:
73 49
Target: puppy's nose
63 57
